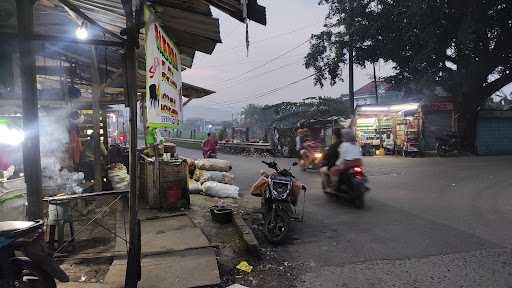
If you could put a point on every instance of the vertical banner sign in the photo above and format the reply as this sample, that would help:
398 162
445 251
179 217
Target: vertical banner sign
163 76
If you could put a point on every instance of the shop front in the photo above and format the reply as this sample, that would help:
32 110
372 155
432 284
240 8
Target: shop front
407 129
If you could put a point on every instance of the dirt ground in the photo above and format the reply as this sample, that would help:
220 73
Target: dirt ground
89 261
269 270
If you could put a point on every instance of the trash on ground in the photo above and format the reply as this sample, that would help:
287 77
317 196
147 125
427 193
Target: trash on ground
244 266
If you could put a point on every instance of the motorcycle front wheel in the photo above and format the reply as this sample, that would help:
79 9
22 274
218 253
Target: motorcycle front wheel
276 227
28 276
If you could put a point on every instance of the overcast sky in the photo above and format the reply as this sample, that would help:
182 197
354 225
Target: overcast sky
289 23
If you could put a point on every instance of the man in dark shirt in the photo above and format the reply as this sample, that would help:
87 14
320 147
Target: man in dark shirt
330 158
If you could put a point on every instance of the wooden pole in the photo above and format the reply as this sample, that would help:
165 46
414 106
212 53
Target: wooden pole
97 91
133 265
31 145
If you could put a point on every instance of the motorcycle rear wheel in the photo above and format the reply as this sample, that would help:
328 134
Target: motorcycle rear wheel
276 228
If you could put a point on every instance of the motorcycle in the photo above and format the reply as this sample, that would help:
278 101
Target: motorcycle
315 155
278 203
352 186
448 144
38 268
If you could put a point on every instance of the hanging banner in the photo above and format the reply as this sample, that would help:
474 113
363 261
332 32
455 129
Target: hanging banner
163 76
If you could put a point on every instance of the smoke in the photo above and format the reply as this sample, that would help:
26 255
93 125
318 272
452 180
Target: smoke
55 156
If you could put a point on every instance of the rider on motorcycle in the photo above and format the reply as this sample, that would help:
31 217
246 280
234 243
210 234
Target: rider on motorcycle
350 155
330 158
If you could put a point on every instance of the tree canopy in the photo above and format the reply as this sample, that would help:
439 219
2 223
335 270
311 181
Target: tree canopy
287 114
463 46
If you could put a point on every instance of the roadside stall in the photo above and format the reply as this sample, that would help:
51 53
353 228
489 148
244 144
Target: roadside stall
388 129
82 56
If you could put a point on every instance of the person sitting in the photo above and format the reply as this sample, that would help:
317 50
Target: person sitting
6 167
350 155
329 161
209 146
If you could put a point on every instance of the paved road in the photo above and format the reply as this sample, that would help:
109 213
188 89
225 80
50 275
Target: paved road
430 222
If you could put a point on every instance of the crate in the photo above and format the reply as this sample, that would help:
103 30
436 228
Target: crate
173 185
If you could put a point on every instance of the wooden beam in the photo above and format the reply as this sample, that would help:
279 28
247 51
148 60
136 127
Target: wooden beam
96 94
64 39
84 16
31 144
133 267
187 101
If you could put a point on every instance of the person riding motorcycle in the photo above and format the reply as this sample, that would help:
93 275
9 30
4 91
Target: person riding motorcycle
349 155
330 159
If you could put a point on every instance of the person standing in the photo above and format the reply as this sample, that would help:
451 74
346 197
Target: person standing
87 158
6 167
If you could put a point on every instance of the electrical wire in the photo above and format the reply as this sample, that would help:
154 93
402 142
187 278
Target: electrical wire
267 62
244 80
268 92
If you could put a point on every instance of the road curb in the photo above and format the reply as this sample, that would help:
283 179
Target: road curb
253 246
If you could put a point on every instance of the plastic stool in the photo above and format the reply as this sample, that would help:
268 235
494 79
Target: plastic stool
59 214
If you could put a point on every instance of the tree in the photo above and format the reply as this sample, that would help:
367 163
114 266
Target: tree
289 113
256 116
462 46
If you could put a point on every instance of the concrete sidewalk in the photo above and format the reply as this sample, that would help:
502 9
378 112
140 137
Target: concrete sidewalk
175 253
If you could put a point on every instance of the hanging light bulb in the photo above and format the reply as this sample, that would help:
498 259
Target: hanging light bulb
81 32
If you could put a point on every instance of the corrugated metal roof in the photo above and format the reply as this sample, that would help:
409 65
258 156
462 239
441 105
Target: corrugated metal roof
188 22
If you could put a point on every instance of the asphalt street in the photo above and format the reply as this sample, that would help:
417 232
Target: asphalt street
429 222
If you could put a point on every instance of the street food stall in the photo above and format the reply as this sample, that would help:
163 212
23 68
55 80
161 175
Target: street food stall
407 129
388 129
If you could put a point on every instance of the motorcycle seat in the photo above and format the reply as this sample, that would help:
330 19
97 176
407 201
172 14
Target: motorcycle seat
9 228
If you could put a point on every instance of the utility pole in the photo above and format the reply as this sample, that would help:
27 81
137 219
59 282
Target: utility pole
350 58
31 144
375 84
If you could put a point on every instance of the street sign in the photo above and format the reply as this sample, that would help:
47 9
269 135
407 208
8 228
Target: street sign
163 76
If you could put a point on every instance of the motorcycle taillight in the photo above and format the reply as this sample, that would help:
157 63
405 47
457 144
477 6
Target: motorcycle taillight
358 169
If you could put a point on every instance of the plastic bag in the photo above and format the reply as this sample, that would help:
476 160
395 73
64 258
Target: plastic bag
259 186
202 176
220 190
213 165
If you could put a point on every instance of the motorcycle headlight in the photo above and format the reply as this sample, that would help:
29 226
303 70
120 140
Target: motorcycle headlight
280 190
318 155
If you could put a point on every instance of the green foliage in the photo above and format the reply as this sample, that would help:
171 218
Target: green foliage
463 46
222 134
287 114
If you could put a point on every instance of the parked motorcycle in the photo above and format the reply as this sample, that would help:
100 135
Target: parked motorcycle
278 203
38 268
448 144
352 186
